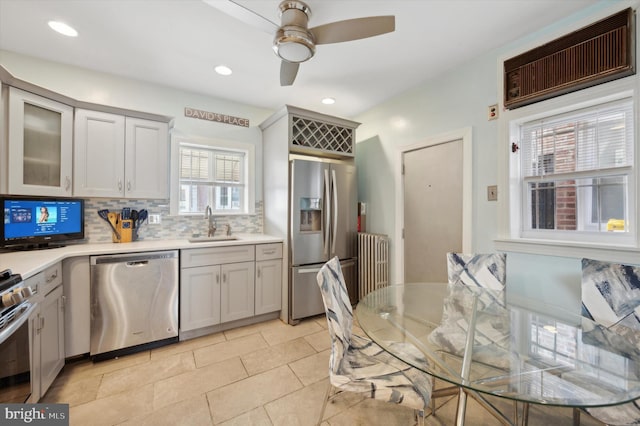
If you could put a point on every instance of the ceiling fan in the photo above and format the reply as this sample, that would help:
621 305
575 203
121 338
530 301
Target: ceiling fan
293 41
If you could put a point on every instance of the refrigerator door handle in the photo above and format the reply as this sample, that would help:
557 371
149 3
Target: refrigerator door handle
327 213
334 225
309 270
345 263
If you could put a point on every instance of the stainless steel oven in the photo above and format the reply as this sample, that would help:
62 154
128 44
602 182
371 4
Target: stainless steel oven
15 357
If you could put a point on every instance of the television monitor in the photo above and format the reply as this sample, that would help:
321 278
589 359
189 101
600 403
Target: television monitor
41 222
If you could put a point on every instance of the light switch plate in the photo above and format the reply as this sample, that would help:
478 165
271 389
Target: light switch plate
154 219
492 193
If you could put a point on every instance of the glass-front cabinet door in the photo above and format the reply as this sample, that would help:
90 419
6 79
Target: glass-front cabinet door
40 145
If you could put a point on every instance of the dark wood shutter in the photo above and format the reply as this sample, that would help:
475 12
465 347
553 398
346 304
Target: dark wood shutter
600 52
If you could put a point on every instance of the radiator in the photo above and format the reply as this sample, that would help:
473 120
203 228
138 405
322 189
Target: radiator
373 262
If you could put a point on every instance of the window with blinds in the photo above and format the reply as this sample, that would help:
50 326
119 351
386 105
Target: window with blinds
211 177
577 170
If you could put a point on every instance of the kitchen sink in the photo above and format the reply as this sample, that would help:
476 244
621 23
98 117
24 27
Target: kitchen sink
215 238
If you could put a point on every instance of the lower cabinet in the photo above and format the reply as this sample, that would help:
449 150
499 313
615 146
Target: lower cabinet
46 325
199 297
224 284
268 286
236 292
51 319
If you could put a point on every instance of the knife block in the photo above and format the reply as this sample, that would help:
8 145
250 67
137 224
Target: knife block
125 229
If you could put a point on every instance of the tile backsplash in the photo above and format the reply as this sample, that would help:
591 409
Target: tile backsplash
170 227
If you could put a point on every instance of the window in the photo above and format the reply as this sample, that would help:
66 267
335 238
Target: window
576 174
210 177
212 173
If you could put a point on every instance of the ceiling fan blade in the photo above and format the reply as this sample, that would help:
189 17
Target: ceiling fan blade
288 72
353 29
243 14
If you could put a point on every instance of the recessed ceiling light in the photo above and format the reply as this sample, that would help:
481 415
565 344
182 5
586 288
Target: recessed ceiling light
63 28
328 101
223 70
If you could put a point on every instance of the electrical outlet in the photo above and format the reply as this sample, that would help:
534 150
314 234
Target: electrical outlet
492 113
154 219
492 193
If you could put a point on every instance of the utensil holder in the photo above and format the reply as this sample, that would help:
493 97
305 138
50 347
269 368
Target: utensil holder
114 219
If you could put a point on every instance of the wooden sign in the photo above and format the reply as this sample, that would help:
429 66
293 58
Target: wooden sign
214 116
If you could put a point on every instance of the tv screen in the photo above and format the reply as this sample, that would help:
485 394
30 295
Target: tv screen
40 222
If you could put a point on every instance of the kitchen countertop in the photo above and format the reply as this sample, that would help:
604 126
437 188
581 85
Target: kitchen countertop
30 262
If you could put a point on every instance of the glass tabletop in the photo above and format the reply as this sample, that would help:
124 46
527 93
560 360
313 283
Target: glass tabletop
474 338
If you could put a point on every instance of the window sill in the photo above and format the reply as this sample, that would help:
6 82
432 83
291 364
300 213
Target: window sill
608 253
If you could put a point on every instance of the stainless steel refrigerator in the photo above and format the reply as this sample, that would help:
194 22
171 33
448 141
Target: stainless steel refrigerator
323 225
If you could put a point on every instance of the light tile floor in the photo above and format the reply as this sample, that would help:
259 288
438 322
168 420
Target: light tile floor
264 374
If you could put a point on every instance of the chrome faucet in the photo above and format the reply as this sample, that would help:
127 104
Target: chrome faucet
208 214
227 229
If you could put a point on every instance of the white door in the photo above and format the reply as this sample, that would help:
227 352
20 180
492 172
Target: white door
433 209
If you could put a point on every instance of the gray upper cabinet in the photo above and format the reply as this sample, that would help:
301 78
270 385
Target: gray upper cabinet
40 145
58 146
311 133
118 156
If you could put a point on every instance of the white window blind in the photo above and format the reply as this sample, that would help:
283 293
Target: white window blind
577 172
211 177
592 139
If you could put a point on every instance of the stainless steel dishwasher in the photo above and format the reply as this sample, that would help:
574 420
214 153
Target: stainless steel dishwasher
134 302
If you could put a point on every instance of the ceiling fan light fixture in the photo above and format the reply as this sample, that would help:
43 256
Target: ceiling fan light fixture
293 45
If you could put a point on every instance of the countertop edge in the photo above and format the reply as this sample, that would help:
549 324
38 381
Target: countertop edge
29 263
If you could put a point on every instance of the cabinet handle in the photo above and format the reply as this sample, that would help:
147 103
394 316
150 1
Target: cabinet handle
258 272
224 278
271 251
63 303
119 185
53 276
128 185
67 183
217 278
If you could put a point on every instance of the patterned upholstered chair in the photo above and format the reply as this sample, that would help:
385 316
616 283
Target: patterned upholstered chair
482 270
466 272
611 297
358 364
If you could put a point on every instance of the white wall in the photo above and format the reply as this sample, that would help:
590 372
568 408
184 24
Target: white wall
456 100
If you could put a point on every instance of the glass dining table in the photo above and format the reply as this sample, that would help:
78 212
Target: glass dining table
482 344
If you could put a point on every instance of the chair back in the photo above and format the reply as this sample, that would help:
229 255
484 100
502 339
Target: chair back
475 280
338 309
482 270
611 293
611 298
